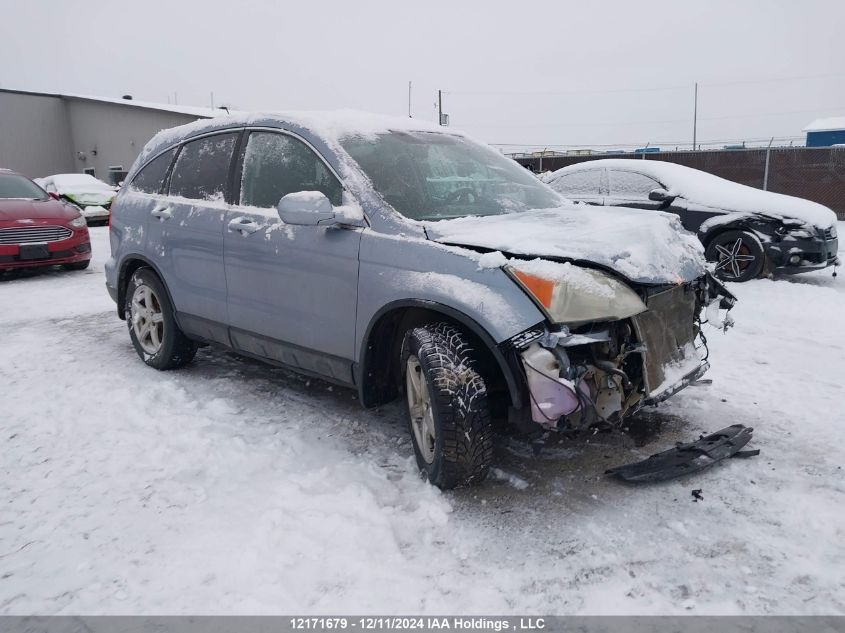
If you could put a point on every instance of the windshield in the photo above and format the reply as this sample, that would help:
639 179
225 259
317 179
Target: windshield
15 186
433 176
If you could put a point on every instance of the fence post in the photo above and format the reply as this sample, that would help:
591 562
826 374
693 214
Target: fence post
766 169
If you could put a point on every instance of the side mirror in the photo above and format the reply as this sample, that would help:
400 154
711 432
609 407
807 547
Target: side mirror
306 208
660 195
54 195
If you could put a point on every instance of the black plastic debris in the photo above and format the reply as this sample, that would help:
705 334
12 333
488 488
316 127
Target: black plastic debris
697 496
689 458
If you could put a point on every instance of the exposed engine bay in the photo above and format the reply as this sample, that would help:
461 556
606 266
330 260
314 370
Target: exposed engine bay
600 373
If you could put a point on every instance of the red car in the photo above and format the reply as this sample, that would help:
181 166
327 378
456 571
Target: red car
36 229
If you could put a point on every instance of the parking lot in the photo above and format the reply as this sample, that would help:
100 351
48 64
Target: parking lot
231 487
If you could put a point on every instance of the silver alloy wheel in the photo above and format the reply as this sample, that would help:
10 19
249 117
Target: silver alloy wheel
147 319
419 406
733 257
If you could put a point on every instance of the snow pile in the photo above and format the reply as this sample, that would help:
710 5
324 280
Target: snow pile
699 187
644 246
493 259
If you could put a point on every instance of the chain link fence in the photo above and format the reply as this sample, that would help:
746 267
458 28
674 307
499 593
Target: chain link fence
814 173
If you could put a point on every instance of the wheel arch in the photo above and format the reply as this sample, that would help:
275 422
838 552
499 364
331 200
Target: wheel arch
747 223
376 372
127 268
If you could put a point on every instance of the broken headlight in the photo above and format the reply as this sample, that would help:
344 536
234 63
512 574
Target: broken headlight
572 294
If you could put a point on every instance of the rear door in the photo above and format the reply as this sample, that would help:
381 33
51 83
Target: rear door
185 234
584 185
292 289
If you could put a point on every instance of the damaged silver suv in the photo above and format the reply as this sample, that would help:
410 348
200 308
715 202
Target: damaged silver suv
402 259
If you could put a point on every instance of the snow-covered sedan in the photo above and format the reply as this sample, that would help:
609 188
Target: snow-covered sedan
91 195
389 255
747 232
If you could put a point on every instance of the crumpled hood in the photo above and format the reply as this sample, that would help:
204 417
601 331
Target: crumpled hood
642 245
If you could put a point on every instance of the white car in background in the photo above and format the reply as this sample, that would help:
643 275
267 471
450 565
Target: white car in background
91 195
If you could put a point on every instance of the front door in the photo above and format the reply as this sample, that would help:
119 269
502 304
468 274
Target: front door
292 290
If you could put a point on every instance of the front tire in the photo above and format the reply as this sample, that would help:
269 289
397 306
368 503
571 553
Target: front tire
448 413
738 256
152 327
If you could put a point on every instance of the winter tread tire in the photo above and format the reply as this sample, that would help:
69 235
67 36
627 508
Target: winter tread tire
464 442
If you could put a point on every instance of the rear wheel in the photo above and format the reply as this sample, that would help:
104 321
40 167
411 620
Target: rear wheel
738 256
448 413
152 327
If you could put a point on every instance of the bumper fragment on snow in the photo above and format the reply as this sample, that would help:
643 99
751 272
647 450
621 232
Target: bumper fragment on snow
689 458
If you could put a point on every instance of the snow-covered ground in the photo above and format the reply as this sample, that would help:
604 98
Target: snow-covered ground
231 487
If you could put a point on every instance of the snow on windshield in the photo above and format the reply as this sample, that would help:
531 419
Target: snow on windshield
427 176
699 187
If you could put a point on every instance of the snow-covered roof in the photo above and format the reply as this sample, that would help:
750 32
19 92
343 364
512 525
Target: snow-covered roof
331 125
700 187
828 124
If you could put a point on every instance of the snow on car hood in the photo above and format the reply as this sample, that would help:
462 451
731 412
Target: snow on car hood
643 246
699 187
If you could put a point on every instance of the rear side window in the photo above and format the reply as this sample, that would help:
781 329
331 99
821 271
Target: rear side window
276 164
202 168
151 178
631 185
579 183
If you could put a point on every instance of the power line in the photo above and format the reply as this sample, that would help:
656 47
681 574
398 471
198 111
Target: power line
618 123
641 89
683 142
772 80
561 92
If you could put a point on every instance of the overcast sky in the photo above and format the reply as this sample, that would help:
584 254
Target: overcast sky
530 73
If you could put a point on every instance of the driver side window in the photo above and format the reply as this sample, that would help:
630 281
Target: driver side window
627 184
275 165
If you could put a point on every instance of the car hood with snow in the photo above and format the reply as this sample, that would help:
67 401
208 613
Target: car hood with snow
701 188
642 246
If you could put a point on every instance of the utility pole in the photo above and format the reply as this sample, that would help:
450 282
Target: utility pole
439 107
212 99
695 116
409 100
766 169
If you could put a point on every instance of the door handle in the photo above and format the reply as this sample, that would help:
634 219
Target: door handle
244 225
162 213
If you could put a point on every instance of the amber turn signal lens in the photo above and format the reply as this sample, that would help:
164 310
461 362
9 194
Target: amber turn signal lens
542 289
